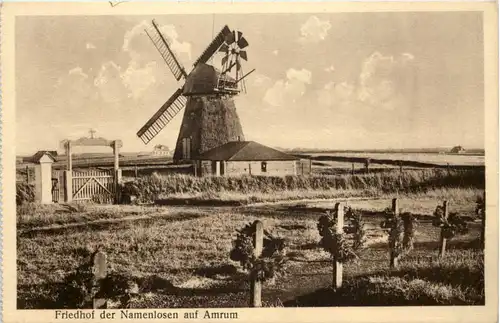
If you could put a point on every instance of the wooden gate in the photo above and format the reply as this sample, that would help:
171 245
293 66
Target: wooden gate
94 185
57 186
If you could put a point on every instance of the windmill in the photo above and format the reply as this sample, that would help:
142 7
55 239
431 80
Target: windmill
210 119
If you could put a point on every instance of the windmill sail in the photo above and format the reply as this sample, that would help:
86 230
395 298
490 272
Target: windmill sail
214 45
163 47
162 117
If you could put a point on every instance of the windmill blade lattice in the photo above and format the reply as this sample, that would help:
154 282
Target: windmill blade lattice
166 52
162 117
213 46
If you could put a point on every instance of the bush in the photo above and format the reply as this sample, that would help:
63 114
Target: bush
25 193
452 226
333 242
356 227
272 261
401 229
79 287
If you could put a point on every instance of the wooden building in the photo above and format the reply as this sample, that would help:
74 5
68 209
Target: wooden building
238 158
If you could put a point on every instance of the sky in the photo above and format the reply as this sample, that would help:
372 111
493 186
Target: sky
323 81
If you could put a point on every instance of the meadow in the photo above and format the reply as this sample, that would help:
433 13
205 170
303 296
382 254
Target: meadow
178 255
430 158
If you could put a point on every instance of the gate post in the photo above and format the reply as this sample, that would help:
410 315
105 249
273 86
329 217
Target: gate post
117 170
68 186
68 175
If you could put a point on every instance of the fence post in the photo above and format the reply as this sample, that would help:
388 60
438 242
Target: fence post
339 228
442 246
100 271
394 261
256 286
352 171
136 172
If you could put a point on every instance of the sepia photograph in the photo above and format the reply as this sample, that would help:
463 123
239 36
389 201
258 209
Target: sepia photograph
225 160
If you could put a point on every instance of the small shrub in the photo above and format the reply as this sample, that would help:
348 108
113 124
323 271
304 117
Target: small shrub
28 208
76 207
25 193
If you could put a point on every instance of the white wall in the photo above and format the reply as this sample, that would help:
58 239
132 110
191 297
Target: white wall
274 168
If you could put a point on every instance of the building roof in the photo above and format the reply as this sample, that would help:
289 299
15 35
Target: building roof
245 151
39 154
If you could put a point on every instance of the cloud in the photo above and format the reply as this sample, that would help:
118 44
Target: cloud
131 81
75 83
180 47
137 43
289 90
335 95
73 93
78 72
260 80
138 79
314 30
90 46
275 52
330 69
302 75
110 83
386 81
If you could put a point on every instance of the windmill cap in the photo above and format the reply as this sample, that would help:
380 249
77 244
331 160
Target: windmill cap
204 79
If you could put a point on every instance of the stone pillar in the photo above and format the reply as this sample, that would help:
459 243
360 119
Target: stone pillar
43 180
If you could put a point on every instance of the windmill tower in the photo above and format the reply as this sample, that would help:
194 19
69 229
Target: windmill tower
210 119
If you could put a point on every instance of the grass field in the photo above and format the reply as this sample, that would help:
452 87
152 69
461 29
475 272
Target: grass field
179 256
430 158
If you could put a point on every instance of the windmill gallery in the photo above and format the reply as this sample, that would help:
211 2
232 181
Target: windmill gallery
211 136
